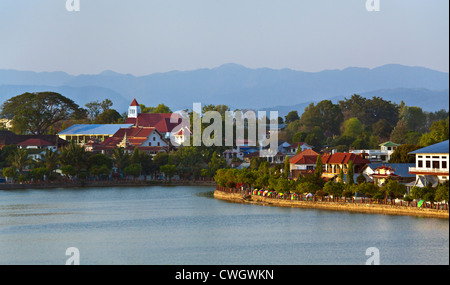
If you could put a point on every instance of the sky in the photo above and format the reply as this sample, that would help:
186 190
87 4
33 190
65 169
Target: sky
142 37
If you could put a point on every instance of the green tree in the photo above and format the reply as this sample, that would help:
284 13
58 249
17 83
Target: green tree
367 189
121 158
318 171
306 187
299 137
394 189
401 154
287 168
134 170
109 116
75 155
39 111
383 129
292 116
353 128
426 193
169 170
106 105
350 173
94 109
68 170
39 173
335 189
360 179
325 115
439 132
442 192
415 118
341 175
215 164
10 172
20 160
161 108
50 160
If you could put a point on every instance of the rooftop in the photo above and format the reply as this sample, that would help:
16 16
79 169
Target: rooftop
389 144
441 148
35 142
401 169
93 129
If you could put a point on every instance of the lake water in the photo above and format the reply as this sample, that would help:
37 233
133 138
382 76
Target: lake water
180 226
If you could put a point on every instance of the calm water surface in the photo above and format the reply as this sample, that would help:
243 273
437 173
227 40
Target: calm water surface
179 226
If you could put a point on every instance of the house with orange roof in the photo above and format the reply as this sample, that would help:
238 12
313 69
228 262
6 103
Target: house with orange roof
303 163
335 162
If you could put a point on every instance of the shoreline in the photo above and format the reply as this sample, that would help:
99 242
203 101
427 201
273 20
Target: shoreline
103 184
333 206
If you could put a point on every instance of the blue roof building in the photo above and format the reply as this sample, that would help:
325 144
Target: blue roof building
432 164
84 132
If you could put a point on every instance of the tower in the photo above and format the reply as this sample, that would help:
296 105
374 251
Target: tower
134 110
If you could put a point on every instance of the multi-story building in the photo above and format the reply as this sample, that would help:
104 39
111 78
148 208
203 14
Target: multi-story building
432 164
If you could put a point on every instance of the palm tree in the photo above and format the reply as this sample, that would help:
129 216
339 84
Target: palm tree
50 160
75 155
20 160
121 158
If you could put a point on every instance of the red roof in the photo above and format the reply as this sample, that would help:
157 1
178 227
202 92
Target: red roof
135 136
159 121
344 158
296 144
134 103
308 156
35 142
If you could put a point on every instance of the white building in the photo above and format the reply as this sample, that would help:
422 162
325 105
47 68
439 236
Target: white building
378 155
432 164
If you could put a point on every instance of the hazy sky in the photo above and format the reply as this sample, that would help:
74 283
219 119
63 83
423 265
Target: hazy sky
148 36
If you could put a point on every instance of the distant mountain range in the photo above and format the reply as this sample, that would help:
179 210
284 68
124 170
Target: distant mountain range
239 87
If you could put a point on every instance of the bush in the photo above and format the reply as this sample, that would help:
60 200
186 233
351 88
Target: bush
306 187
408 198
423 193
332 188
442 192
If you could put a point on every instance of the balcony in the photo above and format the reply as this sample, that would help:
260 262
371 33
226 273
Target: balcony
429 171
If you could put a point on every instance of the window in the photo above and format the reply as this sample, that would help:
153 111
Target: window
420 164
154 138
436 164
158 144
444 165
428 164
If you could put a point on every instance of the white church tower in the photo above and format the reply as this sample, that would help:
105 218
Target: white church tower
134 110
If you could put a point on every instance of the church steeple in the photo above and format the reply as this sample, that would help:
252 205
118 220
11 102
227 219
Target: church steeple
134 110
